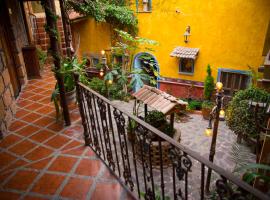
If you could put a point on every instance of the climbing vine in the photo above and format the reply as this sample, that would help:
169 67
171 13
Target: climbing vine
115 12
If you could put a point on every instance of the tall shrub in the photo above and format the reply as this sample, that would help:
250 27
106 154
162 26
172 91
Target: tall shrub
209 84
238 115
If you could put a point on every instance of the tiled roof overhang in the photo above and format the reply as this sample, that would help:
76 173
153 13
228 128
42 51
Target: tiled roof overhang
185 52
159 100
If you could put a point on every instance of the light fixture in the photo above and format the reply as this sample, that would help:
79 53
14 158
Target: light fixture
102 52
187 34
219 86
209 131
221 114
110 81
101 72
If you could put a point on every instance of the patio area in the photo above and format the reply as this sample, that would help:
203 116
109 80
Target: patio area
40 158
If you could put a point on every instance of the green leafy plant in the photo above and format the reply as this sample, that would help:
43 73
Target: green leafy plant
116 13
209 84
158 195
238 115
251 172
98 85
42 57
68 67
158 120
194 105
207 104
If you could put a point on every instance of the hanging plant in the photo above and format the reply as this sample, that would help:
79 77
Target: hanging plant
115 12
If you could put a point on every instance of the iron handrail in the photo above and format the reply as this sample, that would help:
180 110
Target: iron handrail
189 152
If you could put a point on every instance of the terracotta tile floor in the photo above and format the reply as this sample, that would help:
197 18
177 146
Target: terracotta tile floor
40 158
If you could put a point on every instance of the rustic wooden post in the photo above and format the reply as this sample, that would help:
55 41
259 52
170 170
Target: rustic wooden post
66 27
51 28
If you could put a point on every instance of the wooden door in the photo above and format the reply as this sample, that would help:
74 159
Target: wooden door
6 54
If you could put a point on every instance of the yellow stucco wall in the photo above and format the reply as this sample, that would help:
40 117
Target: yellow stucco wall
229 33
93 36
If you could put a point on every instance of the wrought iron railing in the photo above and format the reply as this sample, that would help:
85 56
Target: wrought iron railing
183 177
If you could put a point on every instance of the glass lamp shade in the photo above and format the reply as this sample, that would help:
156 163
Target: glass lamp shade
208 132
221 114
102 52
219 86
101 73
110 82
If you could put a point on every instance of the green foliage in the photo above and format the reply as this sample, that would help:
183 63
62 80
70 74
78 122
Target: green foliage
158 120
194 105
155 118
114 12
238 116
42 57
251 172
98 85
209 84
208 104
158 195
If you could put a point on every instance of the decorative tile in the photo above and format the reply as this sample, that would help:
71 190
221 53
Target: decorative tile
15 125
9 140
31 117
28 130
42 135
44 121
57 141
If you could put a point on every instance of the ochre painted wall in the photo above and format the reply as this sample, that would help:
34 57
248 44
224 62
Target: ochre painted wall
229 33
93 36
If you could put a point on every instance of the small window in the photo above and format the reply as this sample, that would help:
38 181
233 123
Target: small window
186 66
144 5
233 81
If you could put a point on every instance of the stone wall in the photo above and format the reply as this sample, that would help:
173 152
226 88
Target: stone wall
7 100
42 38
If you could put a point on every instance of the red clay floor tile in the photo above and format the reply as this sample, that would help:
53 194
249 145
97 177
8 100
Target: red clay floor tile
38 153
31 117
57 126
33 106
88 167
28 130
21 112
15 125
76 188
45 110
28 197
57 141
113 191
39 165
5 159
76 151
42 135
44 121
63 164
9 140
21 180
22 147
48 184
9 195
22 103
16 164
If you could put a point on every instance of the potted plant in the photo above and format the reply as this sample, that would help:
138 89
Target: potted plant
207 107
209 87
68 67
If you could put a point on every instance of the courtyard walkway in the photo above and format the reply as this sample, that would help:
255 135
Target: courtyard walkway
40 158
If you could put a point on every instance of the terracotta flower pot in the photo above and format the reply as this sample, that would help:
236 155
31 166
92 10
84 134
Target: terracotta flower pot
206 113
71 96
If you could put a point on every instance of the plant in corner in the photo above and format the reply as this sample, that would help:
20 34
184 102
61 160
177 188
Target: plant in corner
209 87
68 67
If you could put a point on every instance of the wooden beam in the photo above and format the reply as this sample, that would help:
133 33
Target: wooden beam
50 12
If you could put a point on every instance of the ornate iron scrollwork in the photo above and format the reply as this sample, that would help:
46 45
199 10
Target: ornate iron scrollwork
121 127
92 122
103 116
182 165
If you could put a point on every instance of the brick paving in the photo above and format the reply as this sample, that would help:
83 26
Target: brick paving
40 158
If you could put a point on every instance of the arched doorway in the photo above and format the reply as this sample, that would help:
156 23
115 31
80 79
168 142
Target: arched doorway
149 64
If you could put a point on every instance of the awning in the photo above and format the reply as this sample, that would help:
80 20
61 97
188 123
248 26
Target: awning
159 100
185 52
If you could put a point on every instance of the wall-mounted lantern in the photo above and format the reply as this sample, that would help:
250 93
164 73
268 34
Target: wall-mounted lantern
187 34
